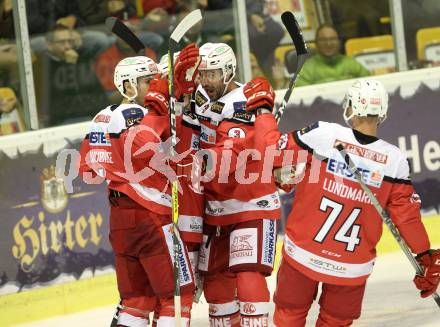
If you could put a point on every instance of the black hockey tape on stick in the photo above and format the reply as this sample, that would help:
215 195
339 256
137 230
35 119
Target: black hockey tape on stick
295 32
117 27
383 215
292 26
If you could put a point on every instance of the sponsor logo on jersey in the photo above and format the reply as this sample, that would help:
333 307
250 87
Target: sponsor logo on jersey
269 230
217 107
243 246
132 116
101 118
208 135
330 253
263 203
249 308
213 309
203 118
242 115
363 152
214 211
339 168
308 128
185 276
195 142
324 265
99 138
200 99
237 132
100 156
196 224
239 106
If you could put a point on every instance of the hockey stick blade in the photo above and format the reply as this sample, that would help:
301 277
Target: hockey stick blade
292 26
116 26
294 30
189 21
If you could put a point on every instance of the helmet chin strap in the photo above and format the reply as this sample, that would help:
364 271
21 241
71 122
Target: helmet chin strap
347 118
227 83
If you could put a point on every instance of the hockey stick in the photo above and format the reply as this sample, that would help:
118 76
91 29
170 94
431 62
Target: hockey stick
291 24
189 21
116 26
384 215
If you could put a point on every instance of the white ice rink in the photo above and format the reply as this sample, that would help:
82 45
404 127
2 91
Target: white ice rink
391 300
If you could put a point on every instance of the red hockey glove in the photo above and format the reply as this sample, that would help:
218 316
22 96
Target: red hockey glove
157 98
259 94
187 61
430 262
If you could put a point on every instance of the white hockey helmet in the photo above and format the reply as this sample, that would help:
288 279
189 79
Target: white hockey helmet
218 56
130 69
163 63
366 97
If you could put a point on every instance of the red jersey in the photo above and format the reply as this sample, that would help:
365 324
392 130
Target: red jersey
191 200
333 229
124 146
233 194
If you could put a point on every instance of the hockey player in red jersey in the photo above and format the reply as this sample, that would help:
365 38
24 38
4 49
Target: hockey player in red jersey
124 143
191 200
239 238
333 229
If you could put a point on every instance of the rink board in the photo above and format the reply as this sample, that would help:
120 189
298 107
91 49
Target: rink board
86 294
77 287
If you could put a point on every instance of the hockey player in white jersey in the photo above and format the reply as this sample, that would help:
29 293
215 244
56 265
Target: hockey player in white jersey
333 229
240 216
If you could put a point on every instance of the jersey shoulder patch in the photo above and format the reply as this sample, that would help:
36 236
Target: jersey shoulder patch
217 107
132 116
309 128
200 99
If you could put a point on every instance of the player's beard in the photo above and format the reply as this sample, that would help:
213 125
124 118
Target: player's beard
215 93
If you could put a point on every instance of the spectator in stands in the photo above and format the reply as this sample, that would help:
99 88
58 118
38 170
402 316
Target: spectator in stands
94 12
6 20
264 35
105 65
255 68
11 116
328 64
280 76
66 85
43 14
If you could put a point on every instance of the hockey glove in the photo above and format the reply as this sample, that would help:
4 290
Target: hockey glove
430 262
157 97
259 94
185 70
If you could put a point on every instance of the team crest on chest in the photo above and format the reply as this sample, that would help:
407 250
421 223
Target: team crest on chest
200 99
217 107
